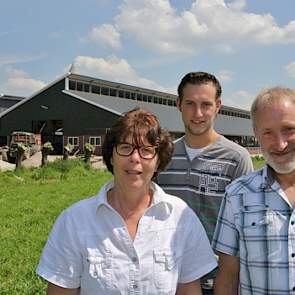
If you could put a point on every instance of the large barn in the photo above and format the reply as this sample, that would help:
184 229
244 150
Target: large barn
77 109
6 101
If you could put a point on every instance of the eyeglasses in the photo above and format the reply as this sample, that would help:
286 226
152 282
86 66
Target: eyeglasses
145 152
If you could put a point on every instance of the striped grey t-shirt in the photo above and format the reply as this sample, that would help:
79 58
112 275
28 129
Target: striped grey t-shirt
201 182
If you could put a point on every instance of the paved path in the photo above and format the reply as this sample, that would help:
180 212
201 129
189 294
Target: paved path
5 166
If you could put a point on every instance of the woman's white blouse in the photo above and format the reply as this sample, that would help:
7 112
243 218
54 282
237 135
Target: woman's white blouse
90 247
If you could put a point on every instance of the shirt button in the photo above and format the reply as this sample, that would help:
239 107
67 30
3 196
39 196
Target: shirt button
293 255
134 259
134 286
293 289
292 222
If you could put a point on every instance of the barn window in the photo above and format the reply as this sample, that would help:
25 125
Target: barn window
95 89
113 92
73 141
86 87
95 141
79 86
72 85
105 90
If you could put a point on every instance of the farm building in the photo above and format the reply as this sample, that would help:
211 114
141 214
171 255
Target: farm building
77 109
6 101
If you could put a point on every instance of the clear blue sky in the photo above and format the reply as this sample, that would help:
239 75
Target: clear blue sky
247 44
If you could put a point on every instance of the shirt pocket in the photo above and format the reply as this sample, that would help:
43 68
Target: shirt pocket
254 227
166 270
99 272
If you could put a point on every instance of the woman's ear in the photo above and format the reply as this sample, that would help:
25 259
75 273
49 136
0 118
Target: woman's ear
111 161
158 164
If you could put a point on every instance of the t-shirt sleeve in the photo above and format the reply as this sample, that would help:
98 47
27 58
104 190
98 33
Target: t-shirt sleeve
245 165
226 236
61 259
198 258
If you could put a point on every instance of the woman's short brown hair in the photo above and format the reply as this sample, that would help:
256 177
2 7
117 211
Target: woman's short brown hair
138 124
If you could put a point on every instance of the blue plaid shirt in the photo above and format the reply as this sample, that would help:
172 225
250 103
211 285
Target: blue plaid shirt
257 223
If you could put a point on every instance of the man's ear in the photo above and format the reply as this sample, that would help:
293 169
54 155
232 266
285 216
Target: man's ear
255 131
178 103
218 105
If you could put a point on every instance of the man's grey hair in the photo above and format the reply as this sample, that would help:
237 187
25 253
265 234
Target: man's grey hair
269 95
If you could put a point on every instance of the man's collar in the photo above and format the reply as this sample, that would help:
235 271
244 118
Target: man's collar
268 178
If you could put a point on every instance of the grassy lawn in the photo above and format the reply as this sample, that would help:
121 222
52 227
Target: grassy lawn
258 162
30 201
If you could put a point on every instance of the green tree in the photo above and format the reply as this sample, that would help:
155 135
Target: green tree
68 149
46 149
21 149
88 151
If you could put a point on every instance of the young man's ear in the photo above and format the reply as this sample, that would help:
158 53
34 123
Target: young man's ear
218 105
178 103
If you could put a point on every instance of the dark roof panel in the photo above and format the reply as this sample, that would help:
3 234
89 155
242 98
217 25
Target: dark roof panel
169 116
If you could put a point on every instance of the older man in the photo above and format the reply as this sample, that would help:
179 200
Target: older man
255 233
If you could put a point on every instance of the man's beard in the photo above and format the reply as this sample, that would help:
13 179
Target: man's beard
281 168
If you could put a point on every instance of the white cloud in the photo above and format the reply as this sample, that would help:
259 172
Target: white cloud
20 83
237 5
114 69
290 68
241 99
16 59
225 48
225 76
158 26
155 25
105 34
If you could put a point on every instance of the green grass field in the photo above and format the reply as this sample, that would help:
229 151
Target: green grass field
30 201
258 162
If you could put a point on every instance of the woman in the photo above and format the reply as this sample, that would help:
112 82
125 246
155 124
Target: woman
132 238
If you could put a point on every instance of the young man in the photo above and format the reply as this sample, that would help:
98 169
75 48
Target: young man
255 234
204 162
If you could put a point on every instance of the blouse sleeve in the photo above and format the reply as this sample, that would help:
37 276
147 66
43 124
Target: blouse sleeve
61 259
198 258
